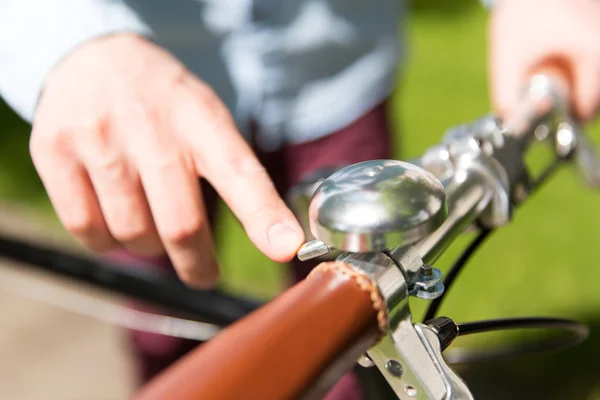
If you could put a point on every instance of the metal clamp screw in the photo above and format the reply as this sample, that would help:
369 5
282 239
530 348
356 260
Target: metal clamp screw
427 285
365 361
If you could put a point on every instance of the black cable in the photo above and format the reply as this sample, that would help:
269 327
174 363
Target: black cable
453 272
484 233
150 286
545 175
491 325
575 334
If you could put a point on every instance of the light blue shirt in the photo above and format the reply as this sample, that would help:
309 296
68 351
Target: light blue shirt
301 68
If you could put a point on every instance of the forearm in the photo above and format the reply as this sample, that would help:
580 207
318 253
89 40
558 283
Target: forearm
37 34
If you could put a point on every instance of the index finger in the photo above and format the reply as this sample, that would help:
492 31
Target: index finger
224 158
174 195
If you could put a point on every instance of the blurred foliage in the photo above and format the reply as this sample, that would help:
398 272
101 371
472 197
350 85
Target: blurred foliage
443 8
545 263
18 181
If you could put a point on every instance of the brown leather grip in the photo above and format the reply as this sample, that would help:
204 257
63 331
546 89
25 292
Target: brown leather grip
296 346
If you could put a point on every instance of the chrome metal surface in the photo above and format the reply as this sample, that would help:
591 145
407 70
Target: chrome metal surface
390 280
298 197
394 368
456 388
471 161
313 249
544 99
485 129
428 277
477 189
423 373
417 210
409 258
365 362
468 198
586 158
431 293
437 160
427 284
545 108
565 139
377 205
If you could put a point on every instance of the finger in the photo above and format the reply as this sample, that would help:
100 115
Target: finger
118 189
173 192
587 88
506 78
70 190
225 159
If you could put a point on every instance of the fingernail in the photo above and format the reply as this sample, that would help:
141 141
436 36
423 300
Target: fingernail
283 236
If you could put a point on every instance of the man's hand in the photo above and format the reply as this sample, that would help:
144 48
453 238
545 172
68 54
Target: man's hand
524 34
121 136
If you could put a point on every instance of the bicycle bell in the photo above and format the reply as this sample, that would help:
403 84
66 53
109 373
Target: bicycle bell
377 205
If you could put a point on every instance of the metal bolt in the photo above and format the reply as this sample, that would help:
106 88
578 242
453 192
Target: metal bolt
428 276
431 293
394 368
365 361
427 285
410 391
426 270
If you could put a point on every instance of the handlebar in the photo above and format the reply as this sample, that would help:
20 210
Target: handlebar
297 346
389 220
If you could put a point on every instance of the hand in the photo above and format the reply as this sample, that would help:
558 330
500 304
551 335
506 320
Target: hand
122 134
527 34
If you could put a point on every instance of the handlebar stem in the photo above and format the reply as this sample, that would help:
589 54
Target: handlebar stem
477 188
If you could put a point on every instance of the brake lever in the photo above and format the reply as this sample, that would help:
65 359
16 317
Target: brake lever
587 159
408 356
547 97
571 142
411 361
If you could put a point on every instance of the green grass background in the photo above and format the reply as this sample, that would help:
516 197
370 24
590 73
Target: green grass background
547 262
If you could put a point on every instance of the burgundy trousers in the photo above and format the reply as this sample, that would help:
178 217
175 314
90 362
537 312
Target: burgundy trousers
365 139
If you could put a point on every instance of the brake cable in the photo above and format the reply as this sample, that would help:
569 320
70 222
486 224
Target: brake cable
575 331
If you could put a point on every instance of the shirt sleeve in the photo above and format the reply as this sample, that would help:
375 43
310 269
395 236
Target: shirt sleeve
36 34
489 4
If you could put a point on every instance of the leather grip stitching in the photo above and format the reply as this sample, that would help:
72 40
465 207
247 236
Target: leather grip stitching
363 282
